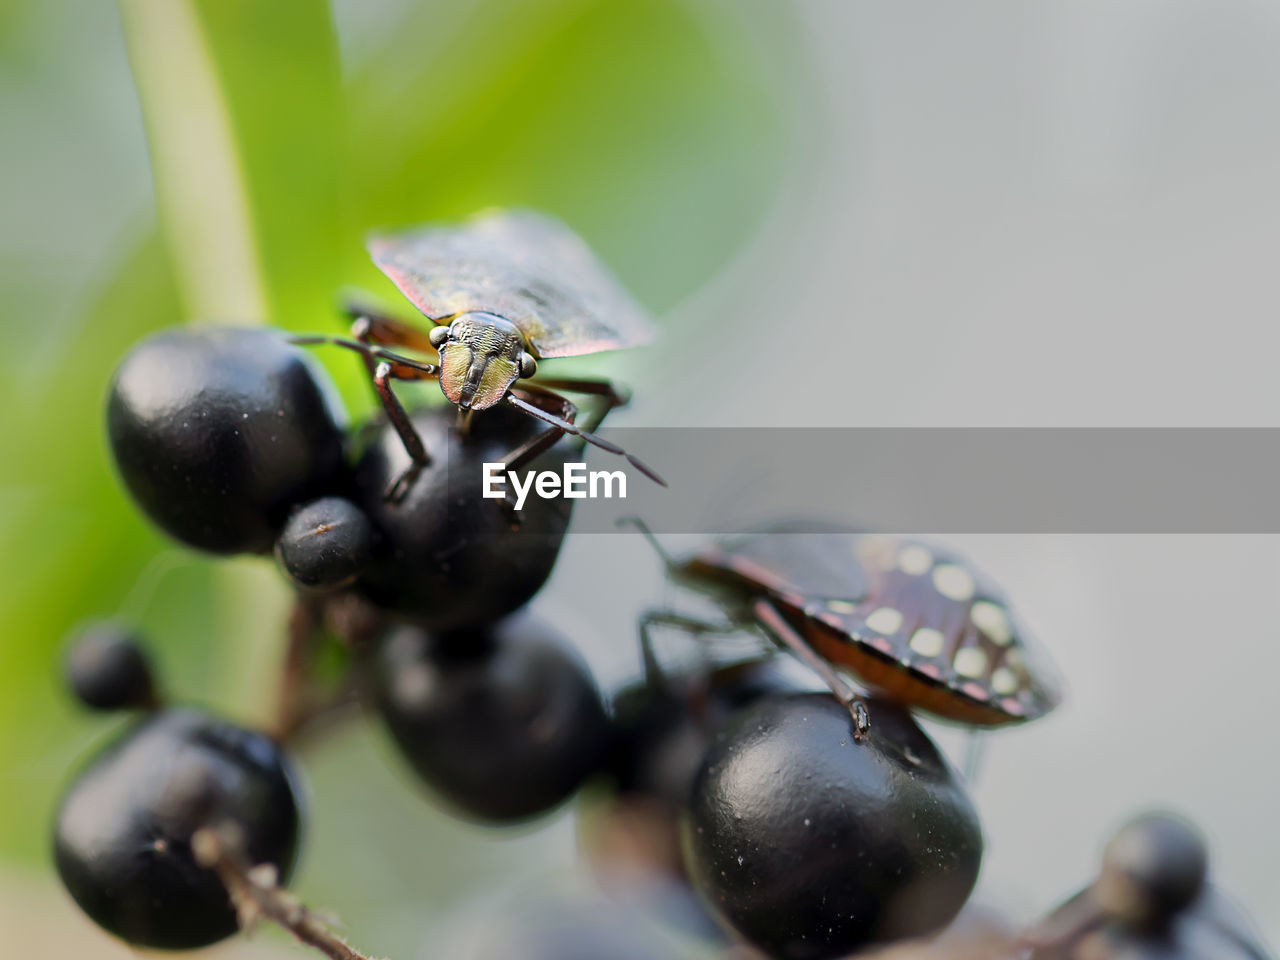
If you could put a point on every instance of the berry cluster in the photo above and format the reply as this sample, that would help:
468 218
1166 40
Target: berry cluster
231 441
809 824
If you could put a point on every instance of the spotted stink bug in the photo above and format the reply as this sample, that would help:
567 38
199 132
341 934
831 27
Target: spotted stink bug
908 618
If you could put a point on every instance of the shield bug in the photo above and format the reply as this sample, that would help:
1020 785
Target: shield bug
910 619
505 290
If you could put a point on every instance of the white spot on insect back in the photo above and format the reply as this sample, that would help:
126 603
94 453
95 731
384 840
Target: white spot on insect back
885 620
841 606
953 582
927 642
991 619
970 662
1004 681
915 560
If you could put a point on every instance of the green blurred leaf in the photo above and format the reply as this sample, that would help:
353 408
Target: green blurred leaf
639 121
622 117
280 76
74 547
242 103
199 174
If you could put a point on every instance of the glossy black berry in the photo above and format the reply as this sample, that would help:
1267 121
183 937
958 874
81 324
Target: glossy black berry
107 669
445 554
1152 868
123 832
630 818
503 723
813 845
326 544
1151 900
218 432
662 728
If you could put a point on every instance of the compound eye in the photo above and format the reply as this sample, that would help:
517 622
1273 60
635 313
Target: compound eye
438 336
528 365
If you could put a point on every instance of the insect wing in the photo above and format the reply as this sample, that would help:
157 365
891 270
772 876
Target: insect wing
526 267
935 613
921 606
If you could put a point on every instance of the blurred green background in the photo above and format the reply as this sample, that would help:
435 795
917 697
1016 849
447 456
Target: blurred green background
172 160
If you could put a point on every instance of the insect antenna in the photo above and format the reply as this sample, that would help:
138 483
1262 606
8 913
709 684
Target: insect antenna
562 424
376 353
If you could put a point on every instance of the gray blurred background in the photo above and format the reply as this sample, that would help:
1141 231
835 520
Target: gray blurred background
1041 215
990 214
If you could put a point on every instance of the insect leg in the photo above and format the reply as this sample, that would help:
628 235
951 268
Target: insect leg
556 405
383 374
612 395
536 445
306 623
671 618
372 328
973 756
769 617
586 435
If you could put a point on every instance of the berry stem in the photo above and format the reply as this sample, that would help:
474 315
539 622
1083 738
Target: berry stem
293 704
255 893
301 703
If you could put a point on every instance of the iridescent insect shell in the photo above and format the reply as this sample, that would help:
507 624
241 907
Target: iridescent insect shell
909 618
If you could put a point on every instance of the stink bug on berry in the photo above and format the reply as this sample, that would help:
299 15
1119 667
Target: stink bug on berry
505 290
911 620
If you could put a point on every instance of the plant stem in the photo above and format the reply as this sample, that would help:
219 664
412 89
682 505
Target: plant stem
293 704
301 705
203 201
255 893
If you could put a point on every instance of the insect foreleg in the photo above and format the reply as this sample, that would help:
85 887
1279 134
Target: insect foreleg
385 366
671 618
777 626
383 374
372 328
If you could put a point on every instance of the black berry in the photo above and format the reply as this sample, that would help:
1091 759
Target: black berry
630 819
813 845
107 669
123 832
1153 867
662 728
446 555
326 544
1151 899
218 432
503 723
